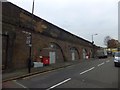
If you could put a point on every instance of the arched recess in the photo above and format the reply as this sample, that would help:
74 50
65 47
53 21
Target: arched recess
59 52
84 53
75 55
90 53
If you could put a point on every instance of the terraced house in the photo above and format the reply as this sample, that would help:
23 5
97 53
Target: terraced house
48 40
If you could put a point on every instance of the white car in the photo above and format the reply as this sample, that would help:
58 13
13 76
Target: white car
117 59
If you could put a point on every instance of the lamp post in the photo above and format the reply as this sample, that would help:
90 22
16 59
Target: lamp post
30 58
30 43
92 37
93 44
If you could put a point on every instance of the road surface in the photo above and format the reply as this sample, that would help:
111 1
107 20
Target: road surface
98 73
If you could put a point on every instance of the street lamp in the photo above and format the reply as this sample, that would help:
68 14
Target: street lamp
92 37
30 43
93 44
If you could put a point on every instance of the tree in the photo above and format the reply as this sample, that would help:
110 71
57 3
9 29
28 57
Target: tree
106 39
113 43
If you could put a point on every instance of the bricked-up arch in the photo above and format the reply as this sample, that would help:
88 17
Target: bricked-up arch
57 46
84 53
74 49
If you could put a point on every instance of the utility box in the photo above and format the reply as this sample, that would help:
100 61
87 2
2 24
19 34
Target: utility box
38 64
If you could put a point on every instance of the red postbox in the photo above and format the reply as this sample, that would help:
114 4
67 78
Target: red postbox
46 60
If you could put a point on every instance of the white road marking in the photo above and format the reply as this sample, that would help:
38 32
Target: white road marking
100 64
108 61
59 84
19 84
87 70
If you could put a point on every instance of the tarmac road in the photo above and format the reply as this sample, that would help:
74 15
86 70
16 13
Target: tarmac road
99 73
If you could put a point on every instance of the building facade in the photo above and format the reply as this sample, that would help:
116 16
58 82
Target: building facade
47 39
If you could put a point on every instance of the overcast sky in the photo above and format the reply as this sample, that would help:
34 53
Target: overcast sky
80 17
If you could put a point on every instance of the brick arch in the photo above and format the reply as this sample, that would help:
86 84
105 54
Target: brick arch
59 47
84 52
77 51
89 51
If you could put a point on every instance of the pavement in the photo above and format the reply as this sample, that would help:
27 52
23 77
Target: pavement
21 73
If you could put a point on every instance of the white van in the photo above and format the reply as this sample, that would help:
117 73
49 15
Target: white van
102 53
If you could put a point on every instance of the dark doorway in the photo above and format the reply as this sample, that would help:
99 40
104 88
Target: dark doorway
4 51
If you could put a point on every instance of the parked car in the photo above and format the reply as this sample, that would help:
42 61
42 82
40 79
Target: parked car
117 59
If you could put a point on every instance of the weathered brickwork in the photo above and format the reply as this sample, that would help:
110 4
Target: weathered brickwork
46 38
